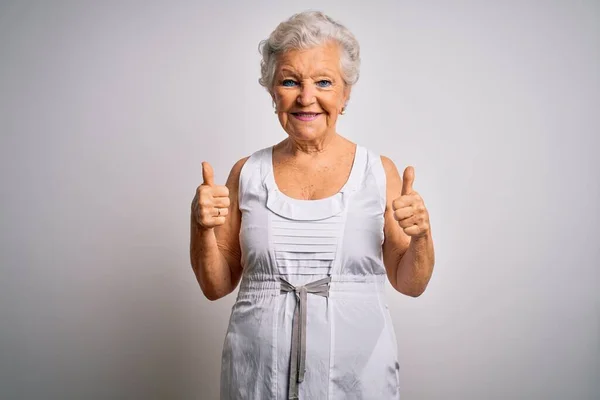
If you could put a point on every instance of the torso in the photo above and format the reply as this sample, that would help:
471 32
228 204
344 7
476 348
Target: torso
315 176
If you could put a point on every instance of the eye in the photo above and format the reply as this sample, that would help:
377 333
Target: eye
324 83
288 82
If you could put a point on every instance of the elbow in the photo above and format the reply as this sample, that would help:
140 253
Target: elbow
415 293
209 290
413 286
412 290
213 294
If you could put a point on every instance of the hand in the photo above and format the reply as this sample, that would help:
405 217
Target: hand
409 209
211 203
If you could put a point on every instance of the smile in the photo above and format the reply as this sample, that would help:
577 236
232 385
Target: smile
306 116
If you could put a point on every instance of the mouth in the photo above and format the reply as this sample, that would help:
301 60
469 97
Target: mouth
306 116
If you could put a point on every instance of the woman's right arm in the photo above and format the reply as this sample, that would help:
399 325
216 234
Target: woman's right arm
215 252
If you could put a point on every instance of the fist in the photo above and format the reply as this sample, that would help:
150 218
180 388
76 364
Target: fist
211 203
409 209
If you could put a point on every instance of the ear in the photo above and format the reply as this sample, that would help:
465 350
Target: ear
273 94
273 101
346 95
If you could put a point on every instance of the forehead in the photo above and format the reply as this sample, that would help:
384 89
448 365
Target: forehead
305 61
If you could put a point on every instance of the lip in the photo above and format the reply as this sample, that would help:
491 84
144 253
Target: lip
305 116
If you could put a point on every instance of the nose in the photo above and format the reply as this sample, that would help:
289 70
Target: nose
307 95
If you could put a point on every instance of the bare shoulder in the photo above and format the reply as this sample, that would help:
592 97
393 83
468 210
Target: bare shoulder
388 164
394 181
237 167
234 174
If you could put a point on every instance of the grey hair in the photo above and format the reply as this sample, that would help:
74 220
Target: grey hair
303 31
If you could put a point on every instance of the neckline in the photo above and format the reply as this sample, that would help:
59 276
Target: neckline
345 187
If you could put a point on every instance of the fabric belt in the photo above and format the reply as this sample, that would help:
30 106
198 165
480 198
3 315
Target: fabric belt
298 356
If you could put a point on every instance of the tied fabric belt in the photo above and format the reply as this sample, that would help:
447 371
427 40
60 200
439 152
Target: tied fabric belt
298 356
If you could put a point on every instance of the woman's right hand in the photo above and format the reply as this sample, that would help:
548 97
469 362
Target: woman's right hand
211 203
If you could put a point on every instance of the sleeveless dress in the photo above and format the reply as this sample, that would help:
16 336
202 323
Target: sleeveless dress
310 320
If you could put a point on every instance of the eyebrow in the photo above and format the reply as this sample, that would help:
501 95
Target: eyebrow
287 70
325 71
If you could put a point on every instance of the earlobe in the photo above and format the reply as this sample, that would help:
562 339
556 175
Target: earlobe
344 106
345 103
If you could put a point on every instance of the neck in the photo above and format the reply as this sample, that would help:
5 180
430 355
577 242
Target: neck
310 147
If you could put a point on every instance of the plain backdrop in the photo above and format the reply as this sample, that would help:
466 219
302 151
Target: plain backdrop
108 108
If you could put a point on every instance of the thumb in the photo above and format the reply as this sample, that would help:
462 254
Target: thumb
208 175
407 180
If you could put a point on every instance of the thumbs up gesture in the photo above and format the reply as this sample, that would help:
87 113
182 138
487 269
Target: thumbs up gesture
409 209
211 203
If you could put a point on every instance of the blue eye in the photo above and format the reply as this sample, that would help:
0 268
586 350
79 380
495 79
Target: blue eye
324 83
288 82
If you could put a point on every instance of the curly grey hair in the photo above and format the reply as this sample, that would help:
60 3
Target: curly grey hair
305 30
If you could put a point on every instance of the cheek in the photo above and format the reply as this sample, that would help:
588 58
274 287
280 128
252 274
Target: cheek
334 102
282 118
284 98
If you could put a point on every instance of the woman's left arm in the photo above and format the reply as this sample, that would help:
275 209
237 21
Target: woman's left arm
408 252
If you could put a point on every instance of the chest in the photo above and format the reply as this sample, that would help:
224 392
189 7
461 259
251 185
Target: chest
312 182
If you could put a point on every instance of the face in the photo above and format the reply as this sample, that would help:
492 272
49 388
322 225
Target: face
309 91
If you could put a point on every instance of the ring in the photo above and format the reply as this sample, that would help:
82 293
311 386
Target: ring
218 212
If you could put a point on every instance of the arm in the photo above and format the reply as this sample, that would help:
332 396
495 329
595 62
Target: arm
215 252
408 252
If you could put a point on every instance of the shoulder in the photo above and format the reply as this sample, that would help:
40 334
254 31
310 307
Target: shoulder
374 159
247 170
233 180
247 162
236 170
385 164
389 167
392 177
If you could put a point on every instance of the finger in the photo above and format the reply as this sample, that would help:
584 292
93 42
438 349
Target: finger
220 212
208 175
407 180
403 213
408 222
406 200
213 222
400 202
221 202
414 230
211 217
220 191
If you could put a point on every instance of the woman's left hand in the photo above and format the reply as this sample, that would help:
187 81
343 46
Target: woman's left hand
409 208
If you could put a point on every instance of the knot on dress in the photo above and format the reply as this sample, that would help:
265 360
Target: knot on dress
298 357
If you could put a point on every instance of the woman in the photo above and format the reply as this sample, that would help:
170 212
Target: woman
311 227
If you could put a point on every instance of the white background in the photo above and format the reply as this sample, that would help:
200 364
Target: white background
107 110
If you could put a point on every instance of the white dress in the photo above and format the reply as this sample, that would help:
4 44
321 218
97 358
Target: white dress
310 320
